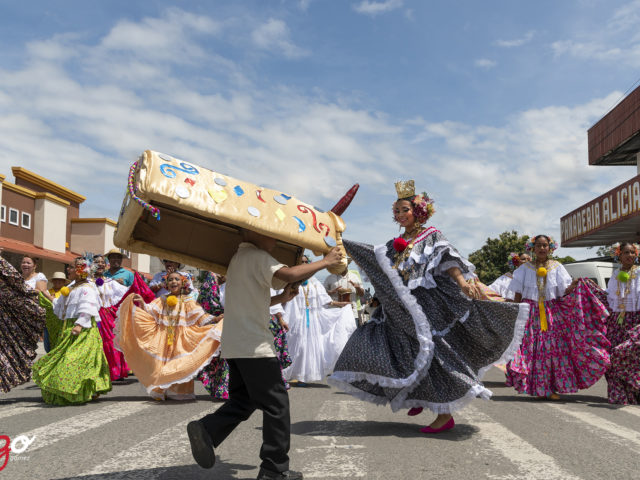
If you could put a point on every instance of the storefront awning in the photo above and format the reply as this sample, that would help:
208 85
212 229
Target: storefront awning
612 217
17 246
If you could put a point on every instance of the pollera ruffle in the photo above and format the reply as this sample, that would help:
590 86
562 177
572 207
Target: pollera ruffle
391 360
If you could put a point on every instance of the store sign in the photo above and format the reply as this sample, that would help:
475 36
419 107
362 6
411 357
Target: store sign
612 207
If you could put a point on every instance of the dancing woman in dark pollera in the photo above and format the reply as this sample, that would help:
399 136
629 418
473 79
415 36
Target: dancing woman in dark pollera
21 325
430 341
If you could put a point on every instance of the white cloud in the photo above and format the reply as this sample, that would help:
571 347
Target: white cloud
95 123
165 38
373 8
626 17
274 36
598 51
100 107
516 42
616 41
485 63
523 175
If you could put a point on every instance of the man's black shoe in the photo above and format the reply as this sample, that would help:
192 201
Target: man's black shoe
201 445
288 475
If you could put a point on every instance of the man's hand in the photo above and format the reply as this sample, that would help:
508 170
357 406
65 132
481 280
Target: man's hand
289 293
333 258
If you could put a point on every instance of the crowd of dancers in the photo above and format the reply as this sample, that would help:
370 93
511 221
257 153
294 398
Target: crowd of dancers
433 333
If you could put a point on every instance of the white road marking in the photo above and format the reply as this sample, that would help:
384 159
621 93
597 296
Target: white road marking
622 436
341 460
151 458
531 462
79 424
631 409
20 408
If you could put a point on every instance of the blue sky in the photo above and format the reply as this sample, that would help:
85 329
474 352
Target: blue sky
485 104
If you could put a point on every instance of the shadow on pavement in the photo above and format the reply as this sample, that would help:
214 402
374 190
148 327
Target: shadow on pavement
308 385
569 398
220 470
491 384
368 428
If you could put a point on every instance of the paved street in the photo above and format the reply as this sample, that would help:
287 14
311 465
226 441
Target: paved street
124 435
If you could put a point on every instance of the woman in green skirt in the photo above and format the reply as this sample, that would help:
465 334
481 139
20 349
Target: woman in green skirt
75 370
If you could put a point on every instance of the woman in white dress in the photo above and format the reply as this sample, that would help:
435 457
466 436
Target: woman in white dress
317 332
34 280
38 282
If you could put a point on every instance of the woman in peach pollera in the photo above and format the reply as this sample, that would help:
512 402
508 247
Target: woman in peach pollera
168 341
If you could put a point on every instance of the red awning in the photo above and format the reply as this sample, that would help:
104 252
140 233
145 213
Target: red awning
17 246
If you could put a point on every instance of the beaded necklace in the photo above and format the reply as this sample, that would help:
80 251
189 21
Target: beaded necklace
400 257
541 281
172 318
306 300
621 303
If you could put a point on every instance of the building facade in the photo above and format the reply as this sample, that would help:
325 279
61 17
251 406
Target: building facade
41 218
615 215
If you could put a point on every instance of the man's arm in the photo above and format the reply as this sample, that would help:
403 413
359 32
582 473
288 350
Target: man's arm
305 270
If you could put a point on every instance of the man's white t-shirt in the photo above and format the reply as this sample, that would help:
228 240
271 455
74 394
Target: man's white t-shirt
246 305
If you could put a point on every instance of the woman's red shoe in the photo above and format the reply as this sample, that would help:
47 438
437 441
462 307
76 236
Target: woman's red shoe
447 426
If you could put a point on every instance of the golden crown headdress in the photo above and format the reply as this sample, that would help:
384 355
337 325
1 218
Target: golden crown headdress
405 188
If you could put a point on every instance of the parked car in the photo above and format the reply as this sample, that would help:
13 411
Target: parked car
599 272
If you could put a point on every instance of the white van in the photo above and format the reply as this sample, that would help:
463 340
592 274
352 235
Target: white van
599 272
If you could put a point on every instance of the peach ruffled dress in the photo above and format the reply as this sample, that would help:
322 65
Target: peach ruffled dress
167 346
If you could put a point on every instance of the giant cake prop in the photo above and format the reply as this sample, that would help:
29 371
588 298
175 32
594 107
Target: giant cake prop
177 210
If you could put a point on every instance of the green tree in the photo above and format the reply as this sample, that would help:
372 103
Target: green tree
491 260
604 251
566 259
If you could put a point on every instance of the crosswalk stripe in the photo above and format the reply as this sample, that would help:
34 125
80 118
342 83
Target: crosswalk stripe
20 408
78 424
151 458
531 462
618 434
631 409
341 460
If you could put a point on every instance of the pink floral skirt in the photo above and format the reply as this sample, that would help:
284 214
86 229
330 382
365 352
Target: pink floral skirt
118 368
623 377
572 354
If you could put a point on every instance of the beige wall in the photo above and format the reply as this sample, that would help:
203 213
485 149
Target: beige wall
51 266
50 225
141 262
95 237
